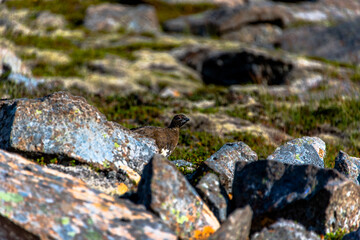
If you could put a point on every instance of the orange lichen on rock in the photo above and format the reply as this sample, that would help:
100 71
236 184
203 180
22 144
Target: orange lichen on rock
203 234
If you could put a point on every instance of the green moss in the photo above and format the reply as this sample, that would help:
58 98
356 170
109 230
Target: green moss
338 235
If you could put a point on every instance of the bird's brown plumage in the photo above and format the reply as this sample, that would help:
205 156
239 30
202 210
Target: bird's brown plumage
166 138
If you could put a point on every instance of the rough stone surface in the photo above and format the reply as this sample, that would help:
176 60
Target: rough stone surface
113 17
340 43
214 195
165 191
349 166
47 19
228 19
223 161
352 236
64 126
11 62
305 150
323 200
40 203
236 227
262 35
285 229
109 182
244 67
217 2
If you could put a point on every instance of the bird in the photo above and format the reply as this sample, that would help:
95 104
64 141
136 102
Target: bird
166 138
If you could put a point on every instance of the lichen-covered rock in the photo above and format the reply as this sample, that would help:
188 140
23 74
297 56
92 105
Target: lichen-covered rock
110 182
323 200
66 126
165 191
223 161
113 17
349 166
236 227
47 19
285 229
305 150
214 196
40 203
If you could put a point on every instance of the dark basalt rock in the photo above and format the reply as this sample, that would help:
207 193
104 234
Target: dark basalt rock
214 195
352 236
285 229
40 203
236 227
165 191
243 67
322 200
349 166
67 127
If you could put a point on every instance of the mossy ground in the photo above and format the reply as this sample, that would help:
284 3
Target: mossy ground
196 146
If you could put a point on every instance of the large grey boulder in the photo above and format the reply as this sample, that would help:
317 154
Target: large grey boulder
40 203
67 127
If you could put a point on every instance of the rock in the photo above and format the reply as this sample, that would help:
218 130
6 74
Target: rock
244 67
338 43
12 63
40 203
165 191
214 195
285 229
67 127
115 17
352 235
349 166
261 35
305 150
186 166
109 182
236 227
228 19
47 19
322 200
223 161
215 2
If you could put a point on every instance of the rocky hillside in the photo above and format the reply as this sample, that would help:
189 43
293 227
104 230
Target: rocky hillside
271 88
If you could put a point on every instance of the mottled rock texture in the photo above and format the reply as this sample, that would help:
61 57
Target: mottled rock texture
285 229
339 43
236 227
323 200
64 126
165 191
114 17
305 150
349 166
11 63
40 203
223 162
214 195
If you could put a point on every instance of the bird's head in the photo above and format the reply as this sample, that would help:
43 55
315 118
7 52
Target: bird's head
178 121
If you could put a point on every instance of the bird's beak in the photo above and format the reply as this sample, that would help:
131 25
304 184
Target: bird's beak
185 120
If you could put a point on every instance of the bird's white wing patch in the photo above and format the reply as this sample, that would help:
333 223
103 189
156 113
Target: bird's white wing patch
164 152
